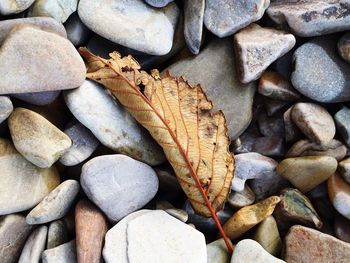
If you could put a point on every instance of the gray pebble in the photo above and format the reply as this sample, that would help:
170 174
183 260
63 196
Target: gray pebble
194 14
34 246
6 108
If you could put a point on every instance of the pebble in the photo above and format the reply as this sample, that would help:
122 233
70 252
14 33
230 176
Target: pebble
59 67
13 234
232 97
226 17
344 47
273 85
314 121
57 9
248 250
319 73
251 166
55 205
8 7
77 32
334 149
57 234
112 125
303 244
241 199
64 253
118 184
6 108
37 139
291 131
34 246
311 18
268 236
90 227
132 23
339 194
344 169
194 15
249 216
84 144
38 98
342 121
23 185
217 252
158 3
306 172
295 209
257 48
342 228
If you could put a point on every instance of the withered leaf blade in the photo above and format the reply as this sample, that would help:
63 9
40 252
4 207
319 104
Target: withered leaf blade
179 118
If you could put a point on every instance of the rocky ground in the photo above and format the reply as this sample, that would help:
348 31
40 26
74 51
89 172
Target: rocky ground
82 181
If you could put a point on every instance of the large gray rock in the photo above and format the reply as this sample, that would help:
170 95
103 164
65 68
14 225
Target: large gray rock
118 184
226 17
131 23
13 234
35 52
112 125
319 72
312 18
194 14
23 185
6 108
34 246
64 253
257 47
8 7
57 9
214 68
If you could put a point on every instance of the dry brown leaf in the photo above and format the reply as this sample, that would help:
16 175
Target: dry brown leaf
178 117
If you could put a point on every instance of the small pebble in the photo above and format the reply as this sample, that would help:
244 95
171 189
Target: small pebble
241 199
217 252
344 47
64 253
344 169
57 9
158 3
57 234
38 98
339 194
342 120
8 7
6 108
34 246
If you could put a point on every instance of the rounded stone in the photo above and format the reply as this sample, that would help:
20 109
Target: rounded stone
34 246
339 194
118 184
57 234
64 253
57 9
8 7
38 98
6 108
344 47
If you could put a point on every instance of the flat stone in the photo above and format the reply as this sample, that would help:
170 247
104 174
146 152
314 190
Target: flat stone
225 17
249 216
334 149
231 96
249 250
37 139
57 9
295 209
55 205
57 234
177 242
291 131
267 235
344 169
115 248
91 227
339 194
251 166
217 252
303 244
275 86
342 120
305 173
112 125
38 98
342 228
344 47
158 3
59 67
320 73
84 144
311 18
132 23
23 185
8 7
44 23
34 246
77 32
118 184
13 234
64 253
194 15
6 108
314 121
257 48
241 199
